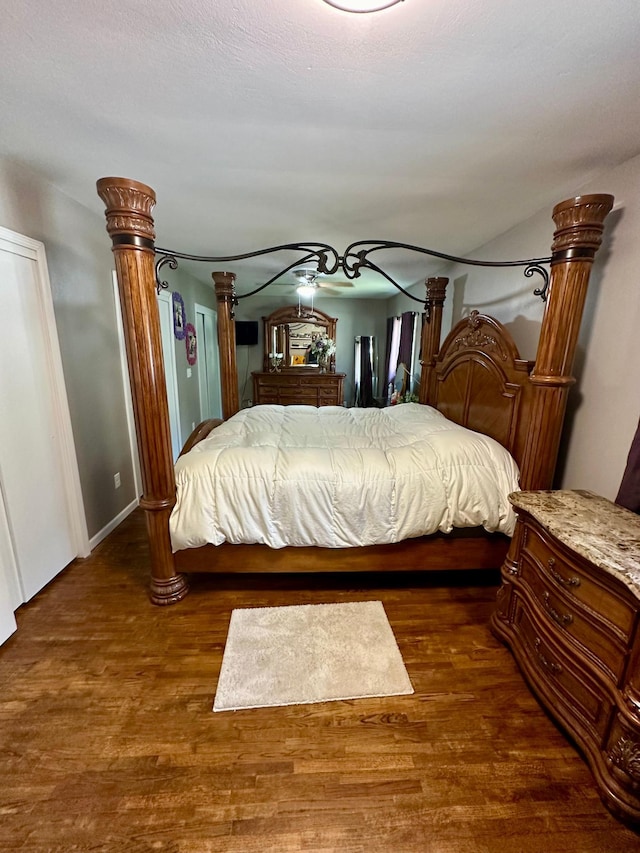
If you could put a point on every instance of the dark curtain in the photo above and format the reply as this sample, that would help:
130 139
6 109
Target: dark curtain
405 350
629 492
387 357
406 339
365 395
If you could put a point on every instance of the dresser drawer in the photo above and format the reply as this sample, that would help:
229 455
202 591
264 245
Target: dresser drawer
267 397
575 580
579 692
316 381
564 613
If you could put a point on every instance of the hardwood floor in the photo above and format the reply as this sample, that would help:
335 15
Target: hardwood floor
108 742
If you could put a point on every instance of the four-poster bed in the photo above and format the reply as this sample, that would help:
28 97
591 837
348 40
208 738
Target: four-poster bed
476 378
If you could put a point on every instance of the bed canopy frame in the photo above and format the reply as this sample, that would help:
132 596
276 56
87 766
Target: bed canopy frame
475 377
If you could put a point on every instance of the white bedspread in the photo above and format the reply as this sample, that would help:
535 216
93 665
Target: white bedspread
337 477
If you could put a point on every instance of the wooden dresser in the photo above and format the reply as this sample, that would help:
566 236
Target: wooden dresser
568 608
299 386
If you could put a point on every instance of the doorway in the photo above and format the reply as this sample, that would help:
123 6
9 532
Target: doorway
208 363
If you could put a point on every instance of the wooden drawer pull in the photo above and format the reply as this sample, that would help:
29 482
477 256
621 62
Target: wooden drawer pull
555 668
557 576
562 619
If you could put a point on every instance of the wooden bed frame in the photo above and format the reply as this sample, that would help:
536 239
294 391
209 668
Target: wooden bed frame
476 378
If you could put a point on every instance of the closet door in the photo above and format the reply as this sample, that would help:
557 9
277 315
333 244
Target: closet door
208 363
10 596
38 471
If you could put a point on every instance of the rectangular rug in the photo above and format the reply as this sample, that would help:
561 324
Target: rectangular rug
309 653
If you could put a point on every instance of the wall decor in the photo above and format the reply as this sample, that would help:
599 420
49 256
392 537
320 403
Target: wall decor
191 343
179 317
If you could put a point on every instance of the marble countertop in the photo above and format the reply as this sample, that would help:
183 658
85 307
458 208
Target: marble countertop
600 531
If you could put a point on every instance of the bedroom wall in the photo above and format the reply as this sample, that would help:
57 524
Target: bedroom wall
80 264
192 291
604 405
355 317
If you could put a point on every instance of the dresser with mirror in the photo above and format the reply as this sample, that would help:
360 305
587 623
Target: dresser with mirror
290 373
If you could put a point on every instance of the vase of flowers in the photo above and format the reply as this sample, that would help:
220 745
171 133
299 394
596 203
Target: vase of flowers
322 348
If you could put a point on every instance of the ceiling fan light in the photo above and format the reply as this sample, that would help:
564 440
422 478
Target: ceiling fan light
362 6
306 289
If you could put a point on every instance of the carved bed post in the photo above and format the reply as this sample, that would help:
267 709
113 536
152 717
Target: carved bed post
225 294
130 224
431 330
579 225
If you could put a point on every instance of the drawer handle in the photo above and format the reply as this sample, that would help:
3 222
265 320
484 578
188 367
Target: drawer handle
563 581
561 618
555 668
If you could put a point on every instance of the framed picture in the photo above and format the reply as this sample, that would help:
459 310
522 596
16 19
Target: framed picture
191 343
179 318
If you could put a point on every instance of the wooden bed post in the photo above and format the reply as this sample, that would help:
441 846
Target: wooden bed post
431 330
579 225
226 294
130 225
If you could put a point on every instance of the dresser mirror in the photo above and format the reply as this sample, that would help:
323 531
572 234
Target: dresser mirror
288 335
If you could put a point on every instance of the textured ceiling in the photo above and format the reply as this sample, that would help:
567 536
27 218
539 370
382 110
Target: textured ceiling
435 122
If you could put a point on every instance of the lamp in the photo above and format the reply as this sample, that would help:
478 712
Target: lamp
362 5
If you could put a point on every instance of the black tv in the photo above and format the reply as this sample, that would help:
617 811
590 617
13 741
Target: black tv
246 333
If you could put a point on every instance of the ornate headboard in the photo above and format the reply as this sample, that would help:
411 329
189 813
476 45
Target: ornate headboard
482 383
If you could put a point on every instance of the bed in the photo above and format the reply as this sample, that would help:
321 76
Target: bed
335 477
475 378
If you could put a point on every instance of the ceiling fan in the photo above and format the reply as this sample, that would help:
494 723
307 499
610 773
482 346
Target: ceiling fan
310 281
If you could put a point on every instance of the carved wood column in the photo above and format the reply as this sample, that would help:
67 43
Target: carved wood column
431 331
130 225
579 225
225 295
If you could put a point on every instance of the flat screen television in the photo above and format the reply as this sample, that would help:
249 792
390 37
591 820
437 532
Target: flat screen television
246 333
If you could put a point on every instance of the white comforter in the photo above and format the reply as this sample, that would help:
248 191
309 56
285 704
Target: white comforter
336 477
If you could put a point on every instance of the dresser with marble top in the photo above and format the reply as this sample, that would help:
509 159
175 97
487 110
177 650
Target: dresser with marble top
569 610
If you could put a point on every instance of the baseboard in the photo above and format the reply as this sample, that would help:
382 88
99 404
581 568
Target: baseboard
102 534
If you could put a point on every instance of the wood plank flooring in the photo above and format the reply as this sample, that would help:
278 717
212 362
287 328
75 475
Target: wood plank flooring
108 742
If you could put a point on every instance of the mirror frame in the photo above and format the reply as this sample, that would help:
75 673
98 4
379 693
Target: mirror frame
295 314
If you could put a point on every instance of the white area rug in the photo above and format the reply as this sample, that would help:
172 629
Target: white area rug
309 653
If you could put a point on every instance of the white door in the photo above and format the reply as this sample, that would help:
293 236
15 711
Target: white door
10 595
42 524
165 306
208 363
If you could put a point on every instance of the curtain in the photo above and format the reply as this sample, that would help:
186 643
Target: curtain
389 371
405 351
629 492
399 347
365 391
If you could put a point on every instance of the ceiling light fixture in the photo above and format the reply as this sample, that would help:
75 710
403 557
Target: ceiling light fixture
362 6
306 289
